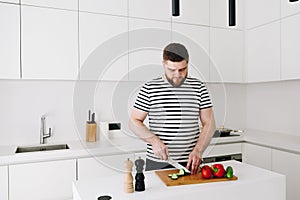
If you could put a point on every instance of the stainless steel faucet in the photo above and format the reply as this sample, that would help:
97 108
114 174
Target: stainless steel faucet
43 134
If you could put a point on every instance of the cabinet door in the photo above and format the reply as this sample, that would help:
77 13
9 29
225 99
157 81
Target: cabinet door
98 166
263 53
41 181
193 12
227 55
196 40
49 43
4 182
103 47
147 39
63 4
113 7
288 164
258 12
222 150
219 14
257 155
155 9
290 47
289 8
10 41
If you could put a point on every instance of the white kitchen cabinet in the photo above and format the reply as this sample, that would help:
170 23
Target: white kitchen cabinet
219 14
103 47
99 166
257 155
10 41
49 43
289 8
62 4
42 181
193 12
113 7
288 164
263 53
147 39
11 1
155 9
227 55
196 40
259 12
4 182
290 47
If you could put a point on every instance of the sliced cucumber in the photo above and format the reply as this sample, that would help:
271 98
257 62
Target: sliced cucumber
174 177
181 172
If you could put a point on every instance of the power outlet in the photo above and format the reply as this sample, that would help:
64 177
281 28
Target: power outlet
114 126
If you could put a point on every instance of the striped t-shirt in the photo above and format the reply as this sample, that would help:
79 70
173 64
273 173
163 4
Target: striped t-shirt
173 114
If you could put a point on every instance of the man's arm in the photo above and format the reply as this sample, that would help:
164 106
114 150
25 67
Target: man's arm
137 126
208 129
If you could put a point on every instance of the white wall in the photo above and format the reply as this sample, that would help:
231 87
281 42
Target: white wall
23 102
274 107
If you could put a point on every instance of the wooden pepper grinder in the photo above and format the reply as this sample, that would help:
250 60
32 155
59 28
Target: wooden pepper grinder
128 179
139 177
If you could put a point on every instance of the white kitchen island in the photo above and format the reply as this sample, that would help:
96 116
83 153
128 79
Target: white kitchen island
253 184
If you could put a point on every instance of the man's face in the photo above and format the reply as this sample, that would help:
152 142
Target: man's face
175 72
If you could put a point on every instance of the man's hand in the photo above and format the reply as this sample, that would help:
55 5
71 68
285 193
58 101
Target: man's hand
194 161
160 149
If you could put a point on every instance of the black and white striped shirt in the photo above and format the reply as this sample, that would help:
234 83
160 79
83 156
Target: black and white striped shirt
173 114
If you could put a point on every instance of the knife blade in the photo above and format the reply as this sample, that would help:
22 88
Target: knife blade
177 165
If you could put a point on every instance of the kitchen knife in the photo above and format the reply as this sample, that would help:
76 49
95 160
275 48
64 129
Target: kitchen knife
177 165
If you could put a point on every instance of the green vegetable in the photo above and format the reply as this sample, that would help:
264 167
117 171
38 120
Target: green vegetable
181 172
174 177
229 172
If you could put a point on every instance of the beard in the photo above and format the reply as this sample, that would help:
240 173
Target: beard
177 82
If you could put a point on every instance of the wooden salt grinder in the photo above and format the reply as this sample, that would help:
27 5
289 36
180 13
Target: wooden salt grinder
128 178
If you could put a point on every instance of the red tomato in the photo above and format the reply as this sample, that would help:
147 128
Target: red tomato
219 170
206 172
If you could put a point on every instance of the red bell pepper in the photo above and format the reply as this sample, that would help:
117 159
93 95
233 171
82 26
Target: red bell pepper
219 170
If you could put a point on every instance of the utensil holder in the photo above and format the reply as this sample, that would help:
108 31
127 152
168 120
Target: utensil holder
91 132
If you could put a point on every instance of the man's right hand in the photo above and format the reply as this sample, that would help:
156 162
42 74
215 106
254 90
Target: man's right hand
160 149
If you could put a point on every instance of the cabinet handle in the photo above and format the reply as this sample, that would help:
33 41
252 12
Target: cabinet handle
175 8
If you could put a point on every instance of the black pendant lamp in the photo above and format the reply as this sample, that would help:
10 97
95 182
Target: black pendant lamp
232 17
175 8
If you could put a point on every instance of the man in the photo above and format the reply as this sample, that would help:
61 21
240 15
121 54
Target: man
174 104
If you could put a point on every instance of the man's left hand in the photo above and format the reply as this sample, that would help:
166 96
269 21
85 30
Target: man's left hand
194 161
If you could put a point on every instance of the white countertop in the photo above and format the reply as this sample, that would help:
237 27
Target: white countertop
127 144
252 183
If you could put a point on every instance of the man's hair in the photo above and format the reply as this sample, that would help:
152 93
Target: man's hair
175 52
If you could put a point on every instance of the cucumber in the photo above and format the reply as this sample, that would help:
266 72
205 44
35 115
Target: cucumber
181 172
174 177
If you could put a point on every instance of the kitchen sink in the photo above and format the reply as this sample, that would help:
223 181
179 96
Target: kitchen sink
25 149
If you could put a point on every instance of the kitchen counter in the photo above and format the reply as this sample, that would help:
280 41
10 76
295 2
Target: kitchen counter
252 183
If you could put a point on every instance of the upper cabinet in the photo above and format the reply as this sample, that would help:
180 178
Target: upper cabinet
290 44
219 14
196 40
259 12
10 41
227 55
155 9
113 7
289 8
103 45
62 4
263 53
193 12
49 43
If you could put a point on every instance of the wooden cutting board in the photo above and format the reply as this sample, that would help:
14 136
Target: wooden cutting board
188 179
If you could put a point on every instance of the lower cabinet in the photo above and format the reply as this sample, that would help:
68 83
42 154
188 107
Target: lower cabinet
288 164
282 162
93 167
257 155
42 181
4 182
